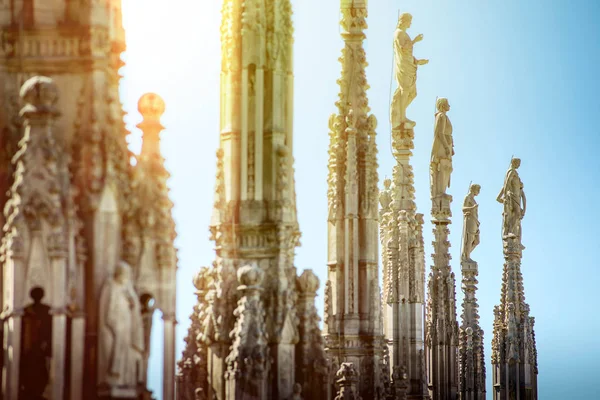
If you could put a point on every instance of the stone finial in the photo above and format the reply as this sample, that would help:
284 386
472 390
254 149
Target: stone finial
151 106
307 282
40 95
250 276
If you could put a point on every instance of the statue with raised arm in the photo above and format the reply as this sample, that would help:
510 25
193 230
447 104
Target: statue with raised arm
405 72
470 223
121 333
513 198
440 167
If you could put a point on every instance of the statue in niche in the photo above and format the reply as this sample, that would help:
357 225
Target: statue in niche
470 223
405 72
442 151
512 196
121 332
36 348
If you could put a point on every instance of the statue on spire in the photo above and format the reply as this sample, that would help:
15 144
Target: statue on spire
471 223
405 72
441 151
512 196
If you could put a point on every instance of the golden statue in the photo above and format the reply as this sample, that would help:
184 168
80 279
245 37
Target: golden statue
405 72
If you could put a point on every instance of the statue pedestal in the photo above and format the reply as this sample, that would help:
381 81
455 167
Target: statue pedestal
468 265
512 245
440 208
402 143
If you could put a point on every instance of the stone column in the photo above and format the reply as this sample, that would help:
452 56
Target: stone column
169 356
58 257
77 354
12 350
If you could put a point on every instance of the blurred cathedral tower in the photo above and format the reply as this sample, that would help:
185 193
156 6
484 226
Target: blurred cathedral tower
254 332
87 243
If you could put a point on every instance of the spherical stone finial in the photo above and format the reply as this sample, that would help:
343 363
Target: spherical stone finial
151 106
39 94
307 282
250 275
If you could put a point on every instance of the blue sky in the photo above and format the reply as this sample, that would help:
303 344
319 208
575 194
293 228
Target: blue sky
522 80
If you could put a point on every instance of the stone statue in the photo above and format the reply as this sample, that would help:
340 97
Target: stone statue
385 196
36 347
121 333
442 150
512 196
405 72
471 223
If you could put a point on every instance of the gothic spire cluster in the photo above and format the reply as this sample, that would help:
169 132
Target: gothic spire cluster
255 330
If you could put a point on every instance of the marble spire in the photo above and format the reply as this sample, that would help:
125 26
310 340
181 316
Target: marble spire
441 332
353 326
472 361
514 353
401 233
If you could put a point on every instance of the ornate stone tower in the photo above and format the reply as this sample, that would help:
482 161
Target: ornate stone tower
149 234
78 44
353 325
472 361
441 332
401 228
255 229
514 353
